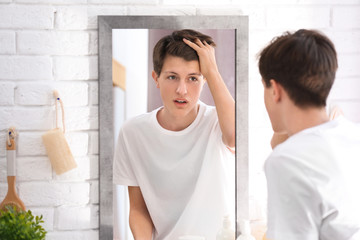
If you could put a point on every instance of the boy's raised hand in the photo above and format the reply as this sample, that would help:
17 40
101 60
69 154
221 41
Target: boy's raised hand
206 55
224 102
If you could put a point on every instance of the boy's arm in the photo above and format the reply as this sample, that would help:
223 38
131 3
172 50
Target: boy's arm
140 221
224 102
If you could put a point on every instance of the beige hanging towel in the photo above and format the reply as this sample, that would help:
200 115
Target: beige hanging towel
56 145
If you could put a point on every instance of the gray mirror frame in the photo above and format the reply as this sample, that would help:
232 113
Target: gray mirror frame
106 142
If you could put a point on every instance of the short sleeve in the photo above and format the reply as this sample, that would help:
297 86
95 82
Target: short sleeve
218 133
293 204
123 173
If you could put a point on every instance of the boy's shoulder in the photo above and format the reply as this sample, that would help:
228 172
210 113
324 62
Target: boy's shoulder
139 121
318 148
207 109
321 136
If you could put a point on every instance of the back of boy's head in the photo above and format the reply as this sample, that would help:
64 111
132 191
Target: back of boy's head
304 63
174 45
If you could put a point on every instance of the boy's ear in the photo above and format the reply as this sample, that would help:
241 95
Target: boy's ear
155 77
277 91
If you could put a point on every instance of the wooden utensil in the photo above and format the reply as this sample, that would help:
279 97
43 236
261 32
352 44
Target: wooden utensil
11 198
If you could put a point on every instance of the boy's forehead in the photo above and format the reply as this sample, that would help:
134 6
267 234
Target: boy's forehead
178 65
171 57
173 60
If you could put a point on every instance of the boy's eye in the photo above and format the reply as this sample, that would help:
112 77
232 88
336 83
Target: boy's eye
171 77
193 79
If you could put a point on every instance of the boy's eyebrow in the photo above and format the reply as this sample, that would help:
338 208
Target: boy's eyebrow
171 72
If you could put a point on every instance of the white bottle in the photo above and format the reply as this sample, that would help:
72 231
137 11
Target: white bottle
245 231
226 233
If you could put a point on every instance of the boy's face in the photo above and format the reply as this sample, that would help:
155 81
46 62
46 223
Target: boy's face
180 83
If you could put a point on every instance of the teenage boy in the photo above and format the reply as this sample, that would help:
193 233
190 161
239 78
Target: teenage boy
177 159
313 176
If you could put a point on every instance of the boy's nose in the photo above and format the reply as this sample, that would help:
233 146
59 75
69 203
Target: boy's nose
181 88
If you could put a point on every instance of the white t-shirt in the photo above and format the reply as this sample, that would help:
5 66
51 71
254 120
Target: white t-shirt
186 177
314 184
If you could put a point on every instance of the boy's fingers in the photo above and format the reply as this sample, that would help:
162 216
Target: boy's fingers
203 44
199 43
191 44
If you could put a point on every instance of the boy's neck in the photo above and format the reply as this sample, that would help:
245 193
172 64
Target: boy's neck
298 119
176 123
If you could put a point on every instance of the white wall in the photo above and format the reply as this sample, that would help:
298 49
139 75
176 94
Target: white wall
46 44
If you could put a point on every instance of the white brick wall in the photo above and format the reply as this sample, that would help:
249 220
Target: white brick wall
294 17
102 9
35 94
7 42
52 44
33 168
2 175
26 17
48 216
75 68
75 218
71 18
346 17
54 194
7 93
73 235
25 67
25 118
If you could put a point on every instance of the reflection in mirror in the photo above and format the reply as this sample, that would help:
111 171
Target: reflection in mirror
135 93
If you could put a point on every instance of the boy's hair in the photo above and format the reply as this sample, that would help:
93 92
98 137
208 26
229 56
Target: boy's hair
174 45
304 63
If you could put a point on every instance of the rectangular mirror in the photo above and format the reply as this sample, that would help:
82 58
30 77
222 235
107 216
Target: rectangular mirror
135 93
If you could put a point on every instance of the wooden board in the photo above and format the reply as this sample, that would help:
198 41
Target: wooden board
119 74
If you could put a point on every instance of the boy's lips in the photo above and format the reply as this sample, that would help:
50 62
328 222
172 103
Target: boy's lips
180 101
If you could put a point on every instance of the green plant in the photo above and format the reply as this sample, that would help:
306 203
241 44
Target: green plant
16 225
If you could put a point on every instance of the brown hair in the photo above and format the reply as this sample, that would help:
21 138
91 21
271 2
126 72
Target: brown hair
174 45
304 63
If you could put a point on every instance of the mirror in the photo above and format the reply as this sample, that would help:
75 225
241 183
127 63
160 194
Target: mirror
226 30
